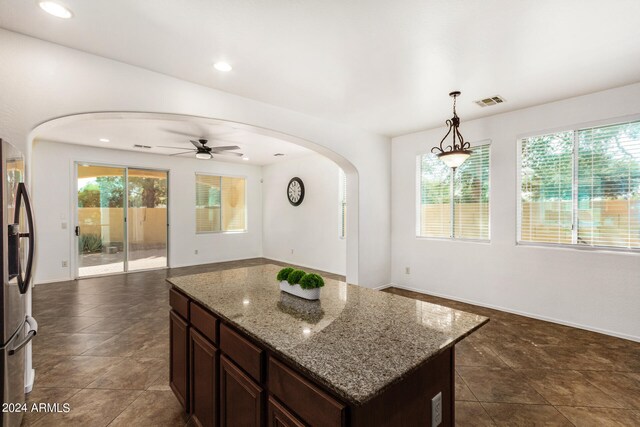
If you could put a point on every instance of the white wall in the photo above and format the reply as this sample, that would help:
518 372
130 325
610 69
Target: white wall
40 81
310 229
52 188
597 290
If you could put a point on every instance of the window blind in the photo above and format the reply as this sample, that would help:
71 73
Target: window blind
220 203
342 182
546 188
435 197
207 203
471 196
608 205
233 204
455 205
582 187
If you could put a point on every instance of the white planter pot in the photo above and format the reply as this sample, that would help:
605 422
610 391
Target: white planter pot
310 294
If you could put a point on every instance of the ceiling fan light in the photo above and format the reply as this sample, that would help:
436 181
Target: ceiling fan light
454 159
203 156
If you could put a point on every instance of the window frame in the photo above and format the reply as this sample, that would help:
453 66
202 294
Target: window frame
418 200
574 186
246 196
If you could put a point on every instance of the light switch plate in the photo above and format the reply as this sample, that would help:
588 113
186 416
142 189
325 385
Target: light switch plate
436 410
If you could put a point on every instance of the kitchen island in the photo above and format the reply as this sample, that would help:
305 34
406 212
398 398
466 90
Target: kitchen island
243 353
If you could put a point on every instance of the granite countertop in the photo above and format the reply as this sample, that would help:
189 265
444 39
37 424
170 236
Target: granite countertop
355 341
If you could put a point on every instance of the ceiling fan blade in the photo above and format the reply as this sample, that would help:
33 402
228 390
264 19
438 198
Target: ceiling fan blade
227 153
184 152
165 146
196 144
225 148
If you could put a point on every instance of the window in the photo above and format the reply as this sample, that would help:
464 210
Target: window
455 204
582 187
220 204
342 192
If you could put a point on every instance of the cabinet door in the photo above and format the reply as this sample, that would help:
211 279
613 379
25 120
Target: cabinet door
204 373
179 359
280 417
241 399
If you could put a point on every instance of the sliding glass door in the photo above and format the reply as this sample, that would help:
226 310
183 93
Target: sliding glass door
121 219
147 219
101 220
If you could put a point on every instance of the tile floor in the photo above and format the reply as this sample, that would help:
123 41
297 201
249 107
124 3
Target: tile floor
103 348
517 371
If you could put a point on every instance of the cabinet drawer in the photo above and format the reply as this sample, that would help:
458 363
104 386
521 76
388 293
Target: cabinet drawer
241 351
179 303
279 416
204 322
310 403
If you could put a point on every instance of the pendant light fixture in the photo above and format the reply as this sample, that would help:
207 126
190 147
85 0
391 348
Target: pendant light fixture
455 154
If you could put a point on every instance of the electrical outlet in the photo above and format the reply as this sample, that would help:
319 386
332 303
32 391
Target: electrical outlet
195 252
65 263
64 225
436 410
407 270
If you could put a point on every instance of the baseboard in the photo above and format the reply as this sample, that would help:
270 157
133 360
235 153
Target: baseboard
214 262
381 287
44 282
522 313
302 265
31 376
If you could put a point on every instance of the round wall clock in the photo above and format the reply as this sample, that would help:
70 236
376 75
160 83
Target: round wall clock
295 191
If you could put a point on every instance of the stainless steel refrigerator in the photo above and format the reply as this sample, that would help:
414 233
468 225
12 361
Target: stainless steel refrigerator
17 251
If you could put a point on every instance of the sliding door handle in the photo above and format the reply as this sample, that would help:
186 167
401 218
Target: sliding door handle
77 230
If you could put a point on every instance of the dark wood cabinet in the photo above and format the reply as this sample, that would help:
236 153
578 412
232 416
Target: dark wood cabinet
241 399
224 377
204 385
279 416
311 404
179 358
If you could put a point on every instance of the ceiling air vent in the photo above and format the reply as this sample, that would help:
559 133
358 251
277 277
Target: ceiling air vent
494 100
278 155
147 147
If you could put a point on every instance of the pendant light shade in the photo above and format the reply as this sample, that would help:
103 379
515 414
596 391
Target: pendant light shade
457 152
454 159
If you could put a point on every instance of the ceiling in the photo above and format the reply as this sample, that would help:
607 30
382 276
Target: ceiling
124 130
384 66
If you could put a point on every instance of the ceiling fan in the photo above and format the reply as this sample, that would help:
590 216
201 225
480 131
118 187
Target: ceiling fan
205 152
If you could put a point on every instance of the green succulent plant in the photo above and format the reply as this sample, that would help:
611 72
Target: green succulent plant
284 273
295 276
90 243
311 281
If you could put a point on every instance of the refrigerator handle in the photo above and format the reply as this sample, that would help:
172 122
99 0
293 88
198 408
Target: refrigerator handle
33 330
23 195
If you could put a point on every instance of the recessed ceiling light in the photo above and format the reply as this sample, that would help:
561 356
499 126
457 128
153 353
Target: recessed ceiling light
55 9
103 140
245 158
222 66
